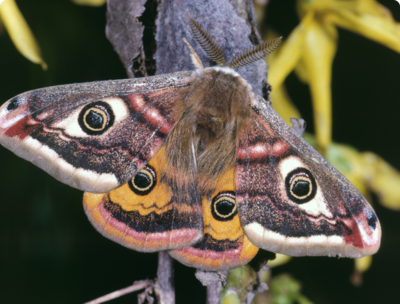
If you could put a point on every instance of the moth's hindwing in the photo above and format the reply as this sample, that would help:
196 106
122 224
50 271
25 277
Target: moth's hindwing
146 214
224 245
93 136
292 201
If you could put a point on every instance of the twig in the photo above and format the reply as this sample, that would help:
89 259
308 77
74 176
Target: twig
116 294
214 293
164 287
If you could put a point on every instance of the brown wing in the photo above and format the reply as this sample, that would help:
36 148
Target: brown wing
93 136
292 201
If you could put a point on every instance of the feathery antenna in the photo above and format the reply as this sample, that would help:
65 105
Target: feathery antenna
254 53
208 43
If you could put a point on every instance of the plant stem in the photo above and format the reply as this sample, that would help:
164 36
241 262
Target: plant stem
214 293
164 287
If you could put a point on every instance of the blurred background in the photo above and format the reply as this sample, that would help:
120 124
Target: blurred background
49 252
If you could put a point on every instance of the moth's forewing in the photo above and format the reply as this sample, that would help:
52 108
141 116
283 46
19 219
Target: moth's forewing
93 136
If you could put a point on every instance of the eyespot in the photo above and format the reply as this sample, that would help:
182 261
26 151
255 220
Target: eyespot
96 118
13 104
223 206
300 186
144 181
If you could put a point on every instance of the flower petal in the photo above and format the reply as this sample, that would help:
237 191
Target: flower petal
20 32
279 260
90 2
288 54
279 96
382 29
362 264
319 51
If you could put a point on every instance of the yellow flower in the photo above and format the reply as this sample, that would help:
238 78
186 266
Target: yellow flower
89 2
311 47
20 32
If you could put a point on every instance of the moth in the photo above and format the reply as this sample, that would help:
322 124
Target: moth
192 162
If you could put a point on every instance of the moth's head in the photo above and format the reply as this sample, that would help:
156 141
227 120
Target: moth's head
215 52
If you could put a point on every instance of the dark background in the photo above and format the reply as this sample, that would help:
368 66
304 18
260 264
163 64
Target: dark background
49 253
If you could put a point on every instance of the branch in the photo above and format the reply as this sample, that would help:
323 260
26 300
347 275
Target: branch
164 287
116 294
214 293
